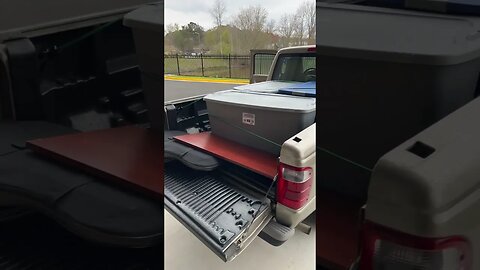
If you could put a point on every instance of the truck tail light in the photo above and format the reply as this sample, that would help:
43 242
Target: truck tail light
294 185
387 249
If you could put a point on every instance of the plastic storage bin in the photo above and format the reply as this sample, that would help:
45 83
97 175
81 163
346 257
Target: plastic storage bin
265 87
254 119
384 75
147 26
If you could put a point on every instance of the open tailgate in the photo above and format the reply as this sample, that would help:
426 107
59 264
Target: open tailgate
215 208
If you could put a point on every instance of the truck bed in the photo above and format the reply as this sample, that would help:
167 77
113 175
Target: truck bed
35 242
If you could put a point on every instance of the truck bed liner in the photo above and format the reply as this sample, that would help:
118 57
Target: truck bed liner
38 243
212 206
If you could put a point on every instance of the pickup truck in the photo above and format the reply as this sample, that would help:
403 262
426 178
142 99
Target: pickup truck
414 204
270 208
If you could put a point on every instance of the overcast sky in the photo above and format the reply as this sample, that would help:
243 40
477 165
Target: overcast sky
185 11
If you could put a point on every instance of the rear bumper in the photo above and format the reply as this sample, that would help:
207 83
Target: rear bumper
276 234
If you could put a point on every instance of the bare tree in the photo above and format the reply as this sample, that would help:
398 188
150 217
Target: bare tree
250 24
299 26
304 24
270 27
286 28
309 17
172 27
218 12
252 18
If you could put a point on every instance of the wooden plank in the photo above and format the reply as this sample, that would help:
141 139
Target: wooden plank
258 161
127 155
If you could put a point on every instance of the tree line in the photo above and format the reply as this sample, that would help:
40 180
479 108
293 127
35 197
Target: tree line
250 28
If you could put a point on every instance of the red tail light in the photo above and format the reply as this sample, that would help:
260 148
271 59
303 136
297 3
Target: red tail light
385 249
294 185
313 49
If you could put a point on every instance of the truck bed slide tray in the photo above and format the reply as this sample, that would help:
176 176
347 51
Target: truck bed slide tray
264 163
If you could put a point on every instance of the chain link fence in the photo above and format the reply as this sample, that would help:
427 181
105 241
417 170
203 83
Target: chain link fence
220 66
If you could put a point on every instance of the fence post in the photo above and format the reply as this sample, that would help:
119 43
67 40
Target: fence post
229 65
178 66
201 58
260 64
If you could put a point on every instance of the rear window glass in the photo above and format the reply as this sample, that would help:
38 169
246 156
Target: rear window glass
295 67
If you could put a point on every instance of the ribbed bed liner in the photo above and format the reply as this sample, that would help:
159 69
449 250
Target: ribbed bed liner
211 204
37 243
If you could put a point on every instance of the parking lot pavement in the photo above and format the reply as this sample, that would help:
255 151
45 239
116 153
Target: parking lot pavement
182 89
183 251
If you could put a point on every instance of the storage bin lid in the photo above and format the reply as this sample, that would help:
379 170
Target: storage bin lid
265 101
267 86
395 35
27 19
460 6
308 89
444 6
148 17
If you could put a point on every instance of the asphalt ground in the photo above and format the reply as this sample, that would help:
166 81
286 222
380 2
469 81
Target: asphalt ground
182 89
183 251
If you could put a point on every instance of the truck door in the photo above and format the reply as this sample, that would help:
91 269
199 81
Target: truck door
260 64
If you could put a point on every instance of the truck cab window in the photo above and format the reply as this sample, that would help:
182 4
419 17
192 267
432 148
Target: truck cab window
295 67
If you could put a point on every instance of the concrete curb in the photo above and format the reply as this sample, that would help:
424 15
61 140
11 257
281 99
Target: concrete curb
205 79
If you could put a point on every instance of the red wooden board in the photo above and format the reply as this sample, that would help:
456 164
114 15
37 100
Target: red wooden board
132 155
258 161
338 230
